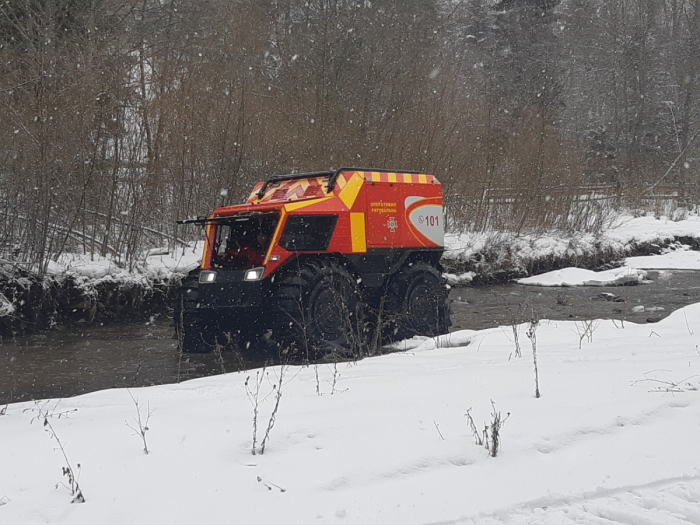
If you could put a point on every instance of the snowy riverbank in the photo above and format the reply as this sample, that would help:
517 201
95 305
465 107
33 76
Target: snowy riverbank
83 288
499 257
386 440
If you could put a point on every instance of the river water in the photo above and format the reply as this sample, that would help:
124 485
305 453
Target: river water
79 359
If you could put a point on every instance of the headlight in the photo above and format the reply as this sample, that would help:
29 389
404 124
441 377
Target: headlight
254 274
207 277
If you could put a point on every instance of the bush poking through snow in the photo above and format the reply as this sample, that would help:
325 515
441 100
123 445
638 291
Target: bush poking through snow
336 377
437 427
472 427
532 336
492 431
180 338
218 347
68 471
269 486
3 410
273 416
253 393
318 383
670 386
516 339
6 307
140 426
333 383
515 325
585 330
490 437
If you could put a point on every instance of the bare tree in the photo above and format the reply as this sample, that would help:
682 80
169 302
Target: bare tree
120 116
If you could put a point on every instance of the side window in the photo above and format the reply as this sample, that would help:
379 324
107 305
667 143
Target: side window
308 232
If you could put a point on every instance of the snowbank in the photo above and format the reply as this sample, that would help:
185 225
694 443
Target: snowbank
680 259
385 440
650 229
492 251
86 289
163 265
582 277
462 278
157 264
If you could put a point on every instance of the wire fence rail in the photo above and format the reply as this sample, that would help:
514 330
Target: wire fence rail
586 208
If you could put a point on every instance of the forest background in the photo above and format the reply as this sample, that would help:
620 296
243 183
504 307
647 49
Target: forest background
118 117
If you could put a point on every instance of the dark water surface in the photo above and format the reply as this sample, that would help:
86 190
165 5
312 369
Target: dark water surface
488 306
72 361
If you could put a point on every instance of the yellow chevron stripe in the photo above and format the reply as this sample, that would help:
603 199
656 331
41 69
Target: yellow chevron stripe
291 206
357 232
349 193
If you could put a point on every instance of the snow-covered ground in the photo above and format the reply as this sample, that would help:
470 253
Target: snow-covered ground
612 439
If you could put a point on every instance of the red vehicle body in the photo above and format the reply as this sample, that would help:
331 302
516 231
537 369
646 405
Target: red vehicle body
307 253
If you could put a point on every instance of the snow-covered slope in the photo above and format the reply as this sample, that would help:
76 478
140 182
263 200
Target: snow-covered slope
612 439
507 251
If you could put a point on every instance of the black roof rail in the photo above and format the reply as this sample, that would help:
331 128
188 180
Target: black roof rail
203 221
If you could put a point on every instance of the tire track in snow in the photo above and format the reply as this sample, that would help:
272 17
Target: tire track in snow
619 423
673 501
405 470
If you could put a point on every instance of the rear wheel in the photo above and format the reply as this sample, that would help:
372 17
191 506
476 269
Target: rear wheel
317 310
418 303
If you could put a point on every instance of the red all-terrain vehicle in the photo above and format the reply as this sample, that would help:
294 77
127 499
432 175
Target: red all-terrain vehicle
329 261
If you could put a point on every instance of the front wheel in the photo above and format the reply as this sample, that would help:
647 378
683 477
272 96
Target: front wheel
194 334
317 309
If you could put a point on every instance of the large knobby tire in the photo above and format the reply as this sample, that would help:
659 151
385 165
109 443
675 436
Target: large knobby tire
317 309
194 334
248 340
418 303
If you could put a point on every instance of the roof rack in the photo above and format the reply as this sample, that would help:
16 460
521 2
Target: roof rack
332 174
337 172
294 176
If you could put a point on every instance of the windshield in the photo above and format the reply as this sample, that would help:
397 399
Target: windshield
243 241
